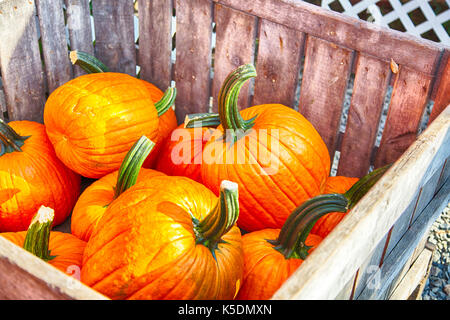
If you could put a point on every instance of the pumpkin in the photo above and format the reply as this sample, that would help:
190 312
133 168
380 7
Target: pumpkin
272 255
94 200
167 238
335 184
62 250
275 155
31 175
162 101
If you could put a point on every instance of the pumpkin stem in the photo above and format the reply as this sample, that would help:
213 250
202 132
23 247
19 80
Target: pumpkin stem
87 62
38 234
221 219
295 230
131 164
10 140
229 114
196 120
166 101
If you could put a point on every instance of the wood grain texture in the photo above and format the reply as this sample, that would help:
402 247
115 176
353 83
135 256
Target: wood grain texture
371 80
58 68
324 82
20 62
235 46
383 43
409 96
278 63
332 264
193 57
155 42
441 93
79 27
114 35
2 103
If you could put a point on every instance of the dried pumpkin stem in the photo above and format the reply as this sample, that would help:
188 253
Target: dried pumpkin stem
219 221
229 114
131 165
197 120
10 140
38 234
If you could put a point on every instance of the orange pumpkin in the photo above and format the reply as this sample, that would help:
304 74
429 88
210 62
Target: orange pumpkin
275 155
337 184
31 175
94 200
167 238
94 119
62 250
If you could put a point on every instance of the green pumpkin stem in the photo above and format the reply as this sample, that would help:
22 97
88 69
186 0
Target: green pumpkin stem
198 120
166 101
229 114
38 234
131 165
292 237
219 221
10 140
87 62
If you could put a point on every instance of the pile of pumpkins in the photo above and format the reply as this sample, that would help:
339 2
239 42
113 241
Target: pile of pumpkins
196 217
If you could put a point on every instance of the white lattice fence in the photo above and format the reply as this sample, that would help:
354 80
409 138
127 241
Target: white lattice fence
426 19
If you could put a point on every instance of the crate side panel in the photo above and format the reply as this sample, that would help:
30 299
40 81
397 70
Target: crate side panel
369 89
20 61
193 57
277 64
114 35
80 29
155 42
347 290
54 43
409 96
235 46
324 82
445 174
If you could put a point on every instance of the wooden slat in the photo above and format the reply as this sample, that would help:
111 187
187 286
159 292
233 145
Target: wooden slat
235 46
278 64
2 103
193 60
324 82
155 41
441 94
444 175
409 96
114 35
325 272
371 80
20 61
384 43
79 26
54 43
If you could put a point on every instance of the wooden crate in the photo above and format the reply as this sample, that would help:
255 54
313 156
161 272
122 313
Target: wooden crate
305 58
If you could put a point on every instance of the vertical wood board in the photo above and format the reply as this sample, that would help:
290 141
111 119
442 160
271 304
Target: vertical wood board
441 94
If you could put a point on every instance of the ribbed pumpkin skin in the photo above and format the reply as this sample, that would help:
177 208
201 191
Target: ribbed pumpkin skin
144 246
94 200
268 197
67 248
182 155
167 123
93 120
337 184
266 269
32 178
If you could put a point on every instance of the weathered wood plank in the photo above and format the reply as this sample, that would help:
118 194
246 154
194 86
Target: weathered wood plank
235 46
278 64
114 35
79 27
409 96
2 103
383 43
324 273
155 41
444 175
20 61
193 59
24 276
54 43
369 89
441 93
324 82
